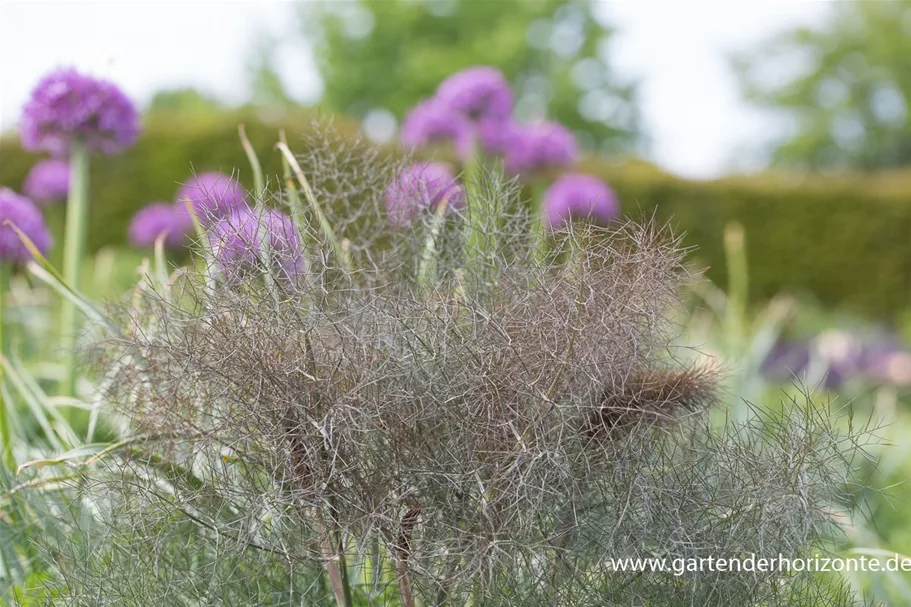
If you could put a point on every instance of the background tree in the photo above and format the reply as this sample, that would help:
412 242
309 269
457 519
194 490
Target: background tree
847 100
184 101
378 57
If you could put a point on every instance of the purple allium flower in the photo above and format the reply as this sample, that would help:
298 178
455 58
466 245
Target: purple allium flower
22 212
786 359
419 186
477 92
888 362
213 196
495 134
539 146
432 122
842 354
150 221
48 181
576 195
236 242
66 105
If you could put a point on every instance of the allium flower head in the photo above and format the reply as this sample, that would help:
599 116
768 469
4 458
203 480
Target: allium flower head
576 195
67 105
418 187
22 212
236 241
494 135
150 221
48 181
213 196
539 146
431 121
887 361
477 92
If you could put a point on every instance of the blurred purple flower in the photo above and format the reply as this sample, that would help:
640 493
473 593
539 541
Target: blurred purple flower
539 146
786 360
150 221
213 196
48 181
236 241
66 105
477 92
887 361
419 186
432 122
841 352
495 134
842 356
832 358
576 195
22 212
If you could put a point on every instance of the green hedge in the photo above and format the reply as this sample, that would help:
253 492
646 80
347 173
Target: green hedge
845 239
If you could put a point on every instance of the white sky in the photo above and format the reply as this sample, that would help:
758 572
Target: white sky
677 48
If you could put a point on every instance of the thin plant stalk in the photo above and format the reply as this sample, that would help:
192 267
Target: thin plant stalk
262 236
427 270
480 240
5 434
738 283
204 244
259 183
325 226
265 251
539 237
77 211
294 203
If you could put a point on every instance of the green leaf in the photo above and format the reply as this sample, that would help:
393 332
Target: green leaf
73 454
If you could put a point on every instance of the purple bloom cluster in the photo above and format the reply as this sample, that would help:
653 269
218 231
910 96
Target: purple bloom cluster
67 106
472 97
48 181
475 107
539 146
212 195
236 241
841 356
420 186
22 212
576 195
496 136
431 122
479 92
150 222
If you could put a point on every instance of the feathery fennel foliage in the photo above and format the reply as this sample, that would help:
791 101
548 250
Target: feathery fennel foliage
490 435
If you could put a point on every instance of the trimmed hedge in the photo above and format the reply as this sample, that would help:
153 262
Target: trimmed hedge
845 239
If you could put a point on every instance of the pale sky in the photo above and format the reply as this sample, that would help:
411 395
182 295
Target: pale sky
676 48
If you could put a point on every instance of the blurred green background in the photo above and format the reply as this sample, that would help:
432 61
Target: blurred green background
829 219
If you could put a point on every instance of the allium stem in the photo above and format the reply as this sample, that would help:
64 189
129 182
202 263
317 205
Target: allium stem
538 236
480 242
738 283
325 226
73 253
6 448
427 270
259 184
265 251
294 204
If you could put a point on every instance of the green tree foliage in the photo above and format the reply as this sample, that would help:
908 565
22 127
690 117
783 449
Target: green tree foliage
848 97
385 55
184 101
